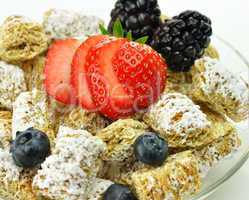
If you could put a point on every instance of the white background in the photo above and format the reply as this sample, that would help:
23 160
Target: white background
230 20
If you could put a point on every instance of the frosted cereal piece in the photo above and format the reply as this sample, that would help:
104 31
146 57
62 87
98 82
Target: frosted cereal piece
99 186
120 137
185 124
31 109
60 24
79 118
4 114
220 89
59 179
178 178
70 171
34 72
178 120
15 182
5 129
8 170
20 189
12 83
220 127
81 147
211 52
21 39
212 154
180 82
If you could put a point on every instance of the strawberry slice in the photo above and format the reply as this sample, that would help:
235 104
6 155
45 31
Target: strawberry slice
78 78
108 94
58 70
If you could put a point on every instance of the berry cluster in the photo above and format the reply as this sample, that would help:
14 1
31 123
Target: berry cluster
181 40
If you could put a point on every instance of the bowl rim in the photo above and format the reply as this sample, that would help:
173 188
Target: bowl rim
214 187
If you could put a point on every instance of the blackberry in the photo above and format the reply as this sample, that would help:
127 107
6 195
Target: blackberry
140 17
183 39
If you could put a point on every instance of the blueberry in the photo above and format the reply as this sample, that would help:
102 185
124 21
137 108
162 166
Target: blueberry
30 148
118 192
151 149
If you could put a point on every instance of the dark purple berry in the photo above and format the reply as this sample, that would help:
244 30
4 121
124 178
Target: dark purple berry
183 39
141 17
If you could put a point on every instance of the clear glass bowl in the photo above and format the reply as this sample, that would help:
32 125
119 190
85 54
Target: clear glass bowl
227 168
236 63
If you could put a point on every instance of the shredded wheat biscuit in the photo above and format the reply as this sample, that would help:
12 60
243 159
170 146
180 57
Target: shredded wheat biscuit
21 39
60 24
15 182
34 72
5 114
185 124
79 118
220 89
120 137
5 129
99 186
179 82
220 126
215 152
177 119
71 169
31 109
12 83
177 178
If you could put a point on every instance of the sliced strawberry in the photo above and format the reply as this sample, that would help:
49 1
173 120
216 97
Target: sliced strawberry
78 78
58 70
142 70
108 94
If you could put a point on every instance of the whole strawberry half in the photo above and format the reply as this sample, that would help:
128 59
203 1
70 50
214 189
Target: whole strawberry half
58 70
142 71
124 77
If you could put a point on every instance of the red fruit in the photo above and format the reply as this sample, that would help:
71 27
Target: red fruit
78 78
58 70
125 77
108 94
142 70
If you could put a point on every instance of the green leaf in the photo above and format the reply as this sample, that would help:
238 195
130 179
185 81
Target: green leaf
129 36
142 40
118 30
103 30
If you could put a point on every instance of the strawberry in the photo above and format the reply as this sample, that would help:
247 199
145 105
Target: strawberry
108 94
124 77
58 70
142 70
78 78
